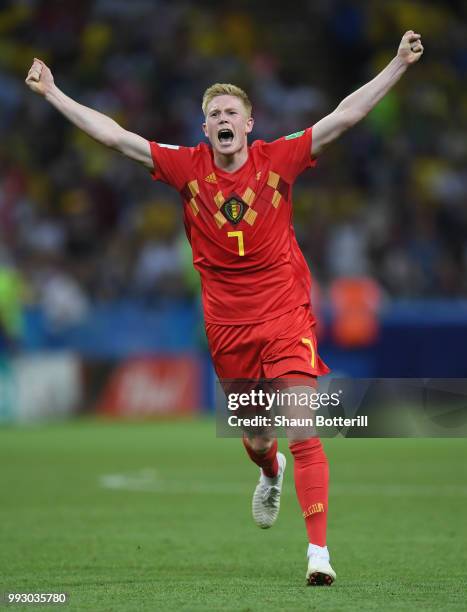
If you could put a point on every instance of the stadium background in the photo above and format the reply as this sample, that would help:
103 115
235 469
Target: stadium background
99 305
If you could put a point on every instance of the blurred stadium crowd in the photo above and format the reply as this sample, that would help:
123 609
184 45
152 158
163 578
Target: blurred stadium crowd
80 224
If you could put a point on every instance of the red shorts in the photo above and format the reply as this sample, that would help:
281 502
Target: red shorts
269 349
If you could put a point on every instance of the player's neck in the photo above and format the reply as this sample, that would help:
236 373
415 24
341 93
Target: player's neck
231 162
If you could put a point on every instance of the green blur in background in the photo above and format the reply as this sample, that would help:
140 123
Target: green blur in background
156 516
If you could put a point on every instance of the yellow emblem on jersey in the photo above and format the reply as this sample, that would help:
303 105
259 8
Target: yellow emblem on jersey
233 209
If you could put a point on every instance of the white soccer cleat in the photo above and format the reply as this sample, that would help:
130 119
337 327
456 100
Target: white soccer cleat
267 496
319 572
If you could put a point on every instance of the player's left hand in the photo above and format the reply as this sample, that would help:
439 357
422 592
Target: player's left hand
411 48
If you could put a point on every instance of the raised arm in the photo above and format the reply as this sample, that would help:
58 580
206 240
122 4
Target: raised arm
95 124
356 106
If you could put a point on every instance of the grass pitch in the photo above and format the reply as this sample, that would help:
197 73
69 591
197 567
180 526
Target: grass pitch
156 516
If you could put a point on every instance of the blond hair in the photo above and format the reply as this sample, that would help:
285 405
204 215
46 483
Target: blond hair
225 89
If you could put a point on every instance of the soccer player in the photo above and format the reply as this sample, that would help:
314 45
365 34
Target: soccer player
255 281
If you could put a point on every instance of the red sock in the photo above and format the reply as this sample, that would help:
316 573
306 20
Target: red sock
311 474
266 461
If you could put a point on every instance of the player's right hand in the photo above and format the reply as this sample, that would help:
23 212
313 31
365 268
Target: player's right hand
411 48
39 78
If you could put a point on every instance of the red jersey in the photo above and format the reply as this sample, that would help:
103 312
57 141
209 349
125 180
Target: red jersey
240 227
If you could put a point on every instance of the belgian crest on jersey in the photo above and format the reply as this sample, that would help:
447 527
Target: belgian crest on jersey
233 209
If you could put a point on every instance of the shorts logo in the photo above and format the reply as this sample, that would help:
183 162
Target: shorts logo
233 209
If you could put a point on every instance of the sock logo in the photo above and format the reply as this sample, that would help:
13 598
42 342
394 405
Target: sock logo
313 509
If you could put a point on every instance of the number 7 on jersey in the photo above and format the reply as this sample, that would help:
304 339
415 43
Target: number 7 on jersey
239 236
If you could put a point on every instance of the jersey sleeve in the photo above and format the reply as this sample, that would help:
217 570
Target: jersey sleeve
172 164
292 154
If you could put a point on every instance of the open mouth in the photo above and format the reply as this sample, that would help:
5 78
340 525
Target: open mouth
225 136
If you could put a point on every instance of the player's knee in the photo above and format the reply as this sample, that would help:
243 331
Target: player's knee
260 444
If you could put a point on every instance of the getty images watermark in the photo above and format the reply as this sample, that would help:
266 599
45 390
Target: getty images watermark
376 408
288 406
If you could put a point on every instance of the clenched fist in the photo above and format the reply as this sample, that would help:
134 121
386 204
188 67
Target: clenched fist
39 78
411 48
